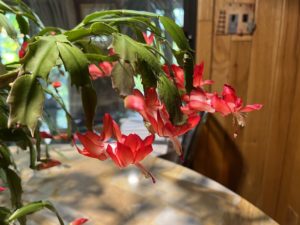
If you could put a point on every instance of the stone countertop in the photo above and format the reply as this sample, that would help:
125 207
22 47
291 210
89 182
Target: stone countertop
85 187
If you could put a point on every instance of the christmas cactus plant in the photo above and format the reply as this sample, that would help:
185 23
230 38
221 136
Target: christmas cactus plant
170 100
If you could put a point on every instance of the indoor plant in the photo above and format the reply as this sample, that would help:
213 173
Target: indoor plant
169 101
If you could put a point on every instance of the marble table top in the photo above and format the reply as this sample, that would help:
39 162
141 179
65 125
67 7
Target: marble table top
84 187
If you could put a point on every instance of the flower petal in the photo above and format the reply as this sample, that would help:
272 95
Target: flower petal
148 39
249 108
124 154
220 105
201 106
229 94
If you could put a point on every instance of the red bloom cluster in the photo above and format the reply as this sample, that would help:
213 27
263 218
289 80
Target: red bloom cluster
125 150
154 112
132 149
201 101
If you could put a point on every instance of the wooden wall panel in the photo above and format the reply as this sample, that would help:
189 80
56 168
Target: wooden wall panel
264 69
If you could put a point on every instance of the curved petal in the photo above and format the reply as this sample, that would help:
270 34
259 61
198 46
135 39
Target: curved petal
134 103
229 94
249 108
112 154
179 76
220 105
133 141
151 100
201 106
148 39
149 140
124 154
198 75
95 149
142 153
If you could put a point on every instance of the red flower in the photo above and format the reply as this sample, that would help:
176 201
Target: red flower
155 113
104 70
79 221
22 51
148 39
56 84
229 103
198 81
131 149
95 145
46 164
197 101
2 189
178 75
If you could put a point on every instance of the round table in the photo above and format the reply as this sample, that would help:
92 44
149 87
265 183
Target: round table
85 187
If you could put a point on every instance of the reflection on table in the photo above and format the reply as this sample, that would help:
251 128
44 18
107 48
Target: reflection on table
85 187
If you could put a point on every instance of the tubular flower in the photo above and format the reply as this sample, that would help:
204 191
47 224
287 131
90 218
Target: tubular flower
22 51
79 221
103 70
131 149
148 39
156 115
229 103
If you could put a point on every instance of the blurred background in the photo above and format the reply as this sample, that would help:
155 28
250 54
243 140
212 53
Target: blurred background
253 45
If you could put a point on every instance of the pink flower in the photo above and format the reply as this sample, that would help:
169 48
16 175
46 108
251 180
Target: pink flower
104 70
2 188
56 84
155 113
46 164
148 39
131 149
79 221
229 103
22 51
